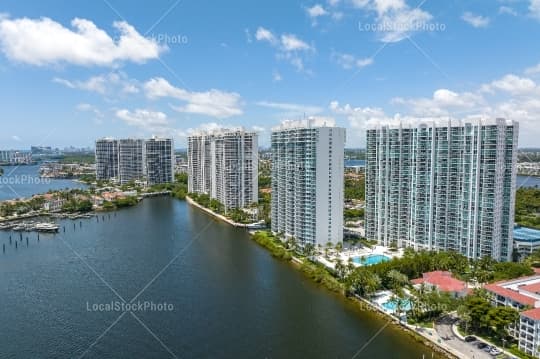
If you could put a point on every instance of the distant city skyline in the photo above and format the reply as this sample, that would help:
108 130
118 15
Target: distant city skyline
138 71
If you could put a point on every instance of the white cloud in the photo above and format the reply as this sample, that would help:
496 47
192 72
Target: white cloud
93 84
154 122
348 61
316 11
443 103
276 76
214 103
475 20
395 20
263 34
533 70
289 47
358 118
512 84
534 9
106 84
290 42
16 138
507 10
511 97
291 110
333 2
44 42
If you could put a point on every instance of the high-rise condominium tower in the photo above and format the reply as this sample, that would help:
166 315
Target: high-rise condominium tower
443 185
307 181
106 159
131 160
224 165
159 154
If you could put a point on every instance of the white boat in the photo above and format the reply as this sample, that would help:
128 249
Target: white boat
46 227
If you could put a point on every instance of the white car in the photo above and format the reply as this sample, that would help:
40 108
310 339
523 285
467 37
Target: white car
495 351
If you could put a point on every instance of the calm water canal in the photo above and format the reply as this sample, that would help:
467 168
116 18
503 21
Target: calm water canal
231 299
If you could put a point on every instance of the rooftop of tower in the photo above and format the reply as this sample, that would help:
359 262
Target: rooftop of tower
310 122
411 122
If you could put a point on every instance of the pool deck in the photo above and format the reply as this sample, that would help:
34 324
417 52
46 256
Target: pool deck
357 252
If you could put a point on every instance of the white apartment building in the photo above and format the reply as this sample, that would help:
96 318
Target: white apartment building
224 164
131 160
308 181
106 159
443 185
127 160
159 153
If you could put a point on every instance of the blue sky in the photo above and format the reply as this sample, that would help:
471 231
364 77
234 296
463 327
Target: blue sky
74 71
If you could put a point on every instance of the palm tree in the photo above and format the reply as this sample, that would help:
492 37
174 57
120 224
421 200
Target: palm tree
309 250
340 269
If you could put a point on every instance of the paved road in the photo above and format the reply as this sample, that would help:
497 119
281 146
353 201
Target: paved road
444 330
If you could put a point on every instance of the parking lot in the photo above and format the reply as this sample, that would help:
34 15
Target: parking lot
468 349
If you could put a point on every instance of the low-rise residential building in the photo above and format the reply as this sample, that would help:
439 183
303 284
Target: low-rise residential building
518 293
53 203
526 240
442 281
522 294
529 332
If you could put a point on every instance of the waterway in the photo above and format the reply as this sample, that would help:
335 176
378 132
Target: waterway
229 297
24 182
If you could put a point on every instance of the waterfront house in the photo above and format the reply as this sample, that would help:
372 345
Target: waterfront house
442 281
53 203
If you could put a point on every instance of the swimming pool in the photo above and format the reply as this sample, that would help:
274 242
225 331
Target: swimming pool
391 305
371 259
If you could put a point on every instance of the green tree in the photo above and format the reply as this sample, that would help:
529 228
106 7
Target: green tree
363 282
499 318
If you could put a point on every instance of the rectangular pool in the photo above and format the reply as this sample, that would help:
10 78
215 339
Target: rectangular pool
371 259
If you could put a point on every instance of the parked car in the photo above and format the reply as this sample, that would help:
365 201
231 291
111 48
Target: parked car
470 338
487 348
495 351
481 345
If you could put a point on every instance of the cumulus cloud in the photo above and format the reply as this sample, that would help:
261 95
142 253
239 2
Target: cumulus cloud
443 103
348 61
148 121
511 96
316 11
42 42
511 84
263 34
395 20
214 103
358 118
113 83
475 20
289 46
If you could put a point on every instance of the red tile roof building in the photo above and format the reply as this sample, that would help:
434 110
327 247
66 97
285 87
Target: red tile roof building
444 282
521 293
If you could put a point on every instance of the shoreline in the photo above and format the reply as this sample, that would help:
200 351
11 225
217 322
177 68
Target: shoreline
360 302
190 201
